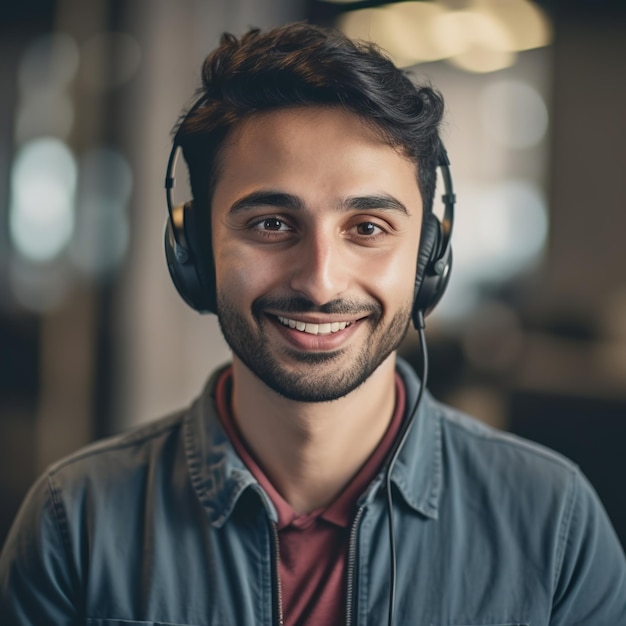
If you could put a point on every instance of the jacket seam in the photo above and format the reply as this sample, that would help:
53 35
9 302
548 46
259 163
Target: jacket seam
564 531
194 461
61 524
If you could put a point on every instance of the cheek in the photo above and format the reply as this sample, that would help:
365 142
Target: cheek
243 277
393 279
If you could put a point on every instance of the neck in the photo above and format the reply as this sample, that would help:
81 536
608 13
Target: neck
311 451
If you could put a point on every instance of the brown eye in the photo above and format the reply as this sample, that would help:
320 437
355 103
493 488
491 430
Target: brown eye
271 227
271 223
367 228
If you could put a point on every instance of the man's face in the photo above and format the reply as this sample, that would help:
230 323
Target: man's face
316 224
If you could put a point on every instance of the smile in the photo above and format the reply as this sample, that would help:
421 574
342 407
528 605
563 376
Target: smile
313 329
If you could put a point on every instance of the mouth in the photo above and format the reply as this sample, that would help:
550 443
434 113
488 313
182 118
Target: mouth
327 328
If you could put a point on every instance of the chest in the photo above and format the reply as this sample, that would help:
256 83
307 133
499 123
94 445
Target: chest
187 572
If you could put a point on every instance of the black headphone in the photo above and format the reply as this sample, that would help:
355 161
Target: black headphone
193 271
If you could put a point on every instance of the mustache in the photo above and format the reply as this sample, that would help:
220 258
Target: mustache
300 304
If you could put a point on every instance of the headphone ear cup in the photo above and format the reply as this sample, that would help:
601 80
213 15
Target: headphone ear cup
433 270
185 270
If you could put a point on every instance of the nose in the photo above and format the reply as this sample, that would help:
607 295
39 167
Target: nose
320 267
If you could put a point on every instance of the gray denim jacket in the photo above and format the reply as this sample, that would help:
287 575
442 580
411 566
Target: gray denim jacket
166 526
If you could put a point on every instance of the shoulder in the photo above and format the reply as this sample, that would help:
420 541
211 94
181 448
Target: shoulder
464 447
160 443
500 459
512 485
473 435
118 455
84 484
95 483
98 492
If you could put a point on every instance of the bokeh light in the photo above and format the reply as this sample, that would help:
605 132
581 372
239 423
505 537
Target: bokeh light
513 113
478 36
505 232
43 185
500 233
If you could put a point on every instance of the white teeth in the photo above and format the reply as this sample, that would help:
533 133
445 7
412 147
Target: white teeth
313 329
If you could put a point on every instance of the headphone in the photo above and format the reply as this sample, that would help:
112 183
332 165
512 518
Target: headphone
193 272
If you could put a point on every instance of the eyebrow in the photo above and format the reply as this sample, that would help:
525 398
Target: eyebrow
267 198
282 200
373 202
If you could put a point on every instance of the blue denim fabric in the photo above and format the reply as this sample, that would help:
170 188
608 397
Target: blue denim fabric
166 526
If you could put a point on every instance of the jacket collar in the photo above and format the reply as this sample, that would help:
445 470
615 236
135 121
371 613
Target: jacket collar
418 471
220 477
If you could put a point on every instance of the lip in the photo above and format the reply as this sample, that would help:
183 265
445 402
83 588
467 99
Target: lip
315 342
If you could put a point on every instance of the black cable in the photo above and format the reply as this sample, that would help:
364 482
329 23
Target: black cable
400 442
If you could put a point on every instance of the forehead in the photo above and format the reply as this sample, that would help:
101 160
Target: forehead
294 123
311 151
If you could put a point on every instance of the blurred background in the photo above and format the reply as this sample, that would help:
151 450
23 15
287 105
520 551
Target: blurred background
531 336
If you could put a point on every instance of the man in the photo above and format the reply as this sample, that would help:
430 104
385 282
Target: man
312 163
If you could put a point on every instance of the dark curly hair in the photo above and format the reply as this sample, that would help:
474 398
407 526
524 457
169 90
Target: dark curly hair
298 65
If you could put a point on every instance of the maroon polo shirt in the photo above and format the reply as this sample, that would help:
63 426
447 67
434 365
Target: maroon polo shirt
313 547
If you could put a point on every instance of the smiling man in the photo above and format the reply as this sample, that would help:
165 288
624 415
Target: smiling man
314 481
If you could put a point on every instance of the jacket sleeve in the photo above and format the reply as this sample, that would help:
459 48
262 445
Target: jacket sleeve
37 581
590 584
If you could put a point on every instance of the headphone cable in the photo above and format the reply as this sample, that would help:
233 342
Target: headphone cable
400 442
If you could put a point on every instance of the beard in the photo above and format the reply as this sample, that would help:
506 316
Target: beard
317 376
